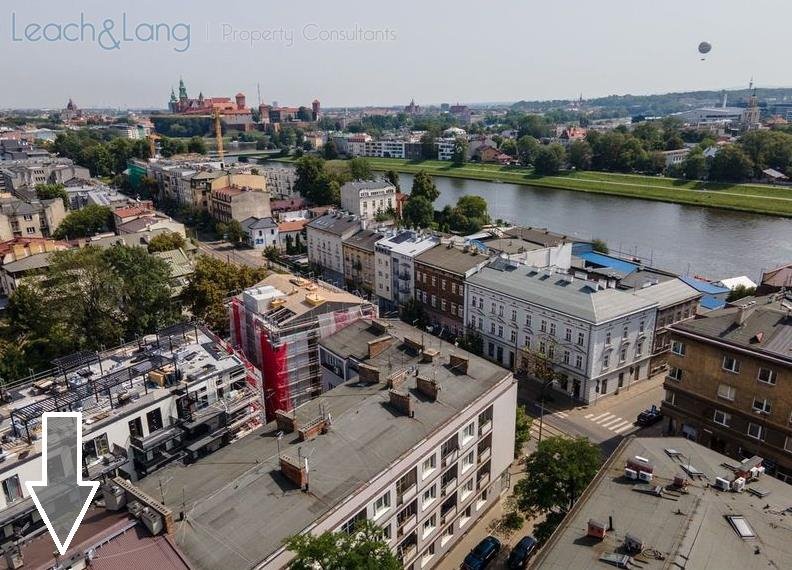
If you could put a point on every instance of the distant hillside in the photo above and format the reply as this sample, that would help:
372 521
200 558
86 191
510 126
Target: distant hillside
630 105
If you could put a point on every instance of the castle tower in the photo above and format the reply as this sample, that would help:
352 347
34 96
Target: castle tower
182 91
316 107
240 101
751 114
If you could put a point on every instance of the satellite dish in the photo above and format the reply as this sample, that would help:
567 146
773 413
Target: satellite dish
704 48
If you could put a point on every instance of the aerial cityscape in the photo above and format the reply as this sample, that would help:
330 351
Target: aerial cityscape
439 286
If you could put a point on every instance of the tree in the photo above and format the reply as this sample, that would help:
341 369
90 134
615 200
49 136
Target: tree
50 191
731 164
166 242
460 151
365 548
231 231
424 186
330 150
418 212
522 433
212 283
359 169
556 475
694 166
526 149
508 146
392 177
197 145
472 341
310 175
549 159
600 246
86 222
580 155
740 292
533 125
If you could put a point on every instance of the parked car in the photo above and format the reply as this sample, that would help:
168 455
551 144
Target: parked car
649 417
484 553
518 558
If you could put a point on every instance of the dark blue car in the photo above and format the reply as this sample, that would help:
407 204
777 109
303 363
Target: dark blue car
484 553
518 558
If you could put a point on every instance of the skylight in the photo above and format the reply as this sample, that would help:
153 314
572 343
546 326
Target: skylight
741 527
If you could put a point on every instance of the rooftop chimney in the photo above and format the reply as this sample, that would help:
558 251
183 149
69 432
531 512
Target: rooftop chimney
286 421
402 402
429 354
295 470
378 345
458 363
368 374
312 429
427 387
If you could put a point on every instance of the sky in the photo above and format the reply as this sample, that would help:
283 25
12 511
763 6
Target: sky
124 53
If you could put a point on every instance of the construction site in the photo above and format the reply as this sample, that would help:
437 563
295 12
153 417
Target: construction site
277 326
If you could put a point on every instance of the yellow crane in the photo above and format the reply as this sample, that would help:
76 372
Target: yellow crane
218 134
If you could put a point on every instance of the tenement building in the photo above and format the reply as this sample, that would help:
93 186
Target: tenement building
729 384
420 444
597 341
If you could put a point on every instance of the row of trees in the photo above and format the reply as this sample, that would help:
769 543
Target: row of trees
467 216
320 181
99 152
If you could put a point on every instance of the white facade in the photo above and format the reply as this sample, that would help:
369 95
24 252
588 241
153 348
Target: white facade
367 199
592 356
394 258
445 148
325 237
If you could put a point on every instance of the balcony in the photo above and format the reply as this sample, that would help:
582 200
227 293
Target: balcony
483 480
406 495
485 428
484 455
449 458
448 487
407 525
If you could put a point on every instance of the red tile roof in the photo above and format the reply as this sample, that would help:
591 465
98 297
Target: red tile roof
292 226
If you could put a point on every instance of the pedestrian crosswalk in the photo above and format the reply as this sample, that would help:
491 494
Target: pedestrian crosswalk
611 422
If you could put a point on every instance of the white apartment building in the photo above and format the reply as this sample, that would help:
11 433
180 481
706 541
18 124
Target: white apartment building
445 148
598 340
438 466
279 181
386 148
394 258
177 394
325 236
367 198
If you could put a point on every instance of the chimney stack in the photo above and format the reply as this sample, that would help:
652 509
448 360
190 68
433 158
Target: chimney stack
458 364
368 374
295 470
427 387
286 421
402 402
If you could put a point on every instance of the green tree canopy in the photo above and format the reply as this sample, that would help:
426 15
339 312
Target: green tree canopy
424 186
460 151
418 212
197 145
526 149
50 191
359 169
365 548
522 433
549 159
166 241
556 475
731 164
392 177
88 221
580 155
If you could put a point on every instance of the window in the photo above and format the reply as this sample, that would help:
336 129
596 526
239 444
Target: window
482 499
567 356
349 526
136 428
469 432
513 336
606 361
500 331
788 444
607 338
625 332
443 305
429 554
726 392
641 327
578 361
443 284
500 310
466 514
756 431
543 326
382 504
429 525
675 374
407 482
492 308
678 348
623 355
731 364
94 449
429 465
767 376
568 335
492 328
581 339
670 397
12 489
467 489
154 420
762 405
721 418
514 315
447 534
550 351
639 348
552 329
542 347
527 320
468 461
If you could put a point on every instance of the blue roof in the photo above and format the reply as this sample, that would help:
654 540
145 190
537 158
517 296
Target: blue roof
712 303
603 260
704 286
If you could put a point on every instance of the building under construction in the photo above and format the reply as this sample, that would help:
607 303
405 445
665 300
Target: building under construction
277 325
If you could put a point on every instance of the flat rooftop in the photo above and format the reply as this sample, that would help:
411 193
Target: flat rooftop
687 529
239 506
452 259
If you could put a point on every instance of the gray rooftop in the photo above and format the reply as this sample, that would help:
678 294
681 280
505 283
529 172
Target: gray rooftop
668 293
364 239
559 292
358 185
29 263
240 508
337 224
766 325
690 530
254 223
539 236
451 259
643 276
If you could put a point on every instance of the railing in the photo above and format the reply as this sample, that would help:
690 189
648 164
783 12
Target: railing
449 458
447 486
485 428
406 495
484 455
406 526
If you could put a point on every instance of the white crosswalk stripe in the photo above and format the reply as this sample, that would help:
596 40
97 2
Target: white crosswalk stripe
613 422
620 424
625 428
604 419
599 417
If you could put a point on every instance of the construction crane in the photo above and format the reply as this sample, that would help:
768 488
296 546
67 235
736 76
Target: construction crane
218 134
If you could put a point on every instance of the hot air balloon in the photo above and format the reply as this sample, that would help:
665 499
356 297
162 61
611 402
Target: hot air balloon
704 48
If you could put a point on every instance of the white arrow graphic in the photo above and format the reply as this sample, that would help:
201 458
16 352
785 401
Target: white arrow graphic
62 497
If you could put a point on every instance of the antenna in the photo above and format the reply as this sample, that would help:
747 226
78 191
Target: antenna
258 88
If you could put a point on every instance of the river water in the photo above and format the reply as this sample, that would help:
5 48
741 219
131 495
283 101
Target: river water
685 239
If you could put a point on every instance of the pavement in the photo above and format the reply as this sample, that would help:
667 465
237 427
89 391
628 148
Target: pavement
230 254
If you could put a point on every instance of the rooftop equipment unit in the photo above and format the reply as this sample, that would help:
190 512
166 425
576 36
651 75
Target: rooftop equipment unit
114 497
135 508
596 529
722 484
738 485
644 476
630 473
152 519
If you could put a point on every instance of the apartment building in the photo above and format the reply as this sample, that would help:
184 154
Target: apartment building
440 275
394 256
279 182
260 233
538 247
359 260
179 394
30 218
441 459
367 198
729 384
277 325
28 173
598 341
239 203
326 235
